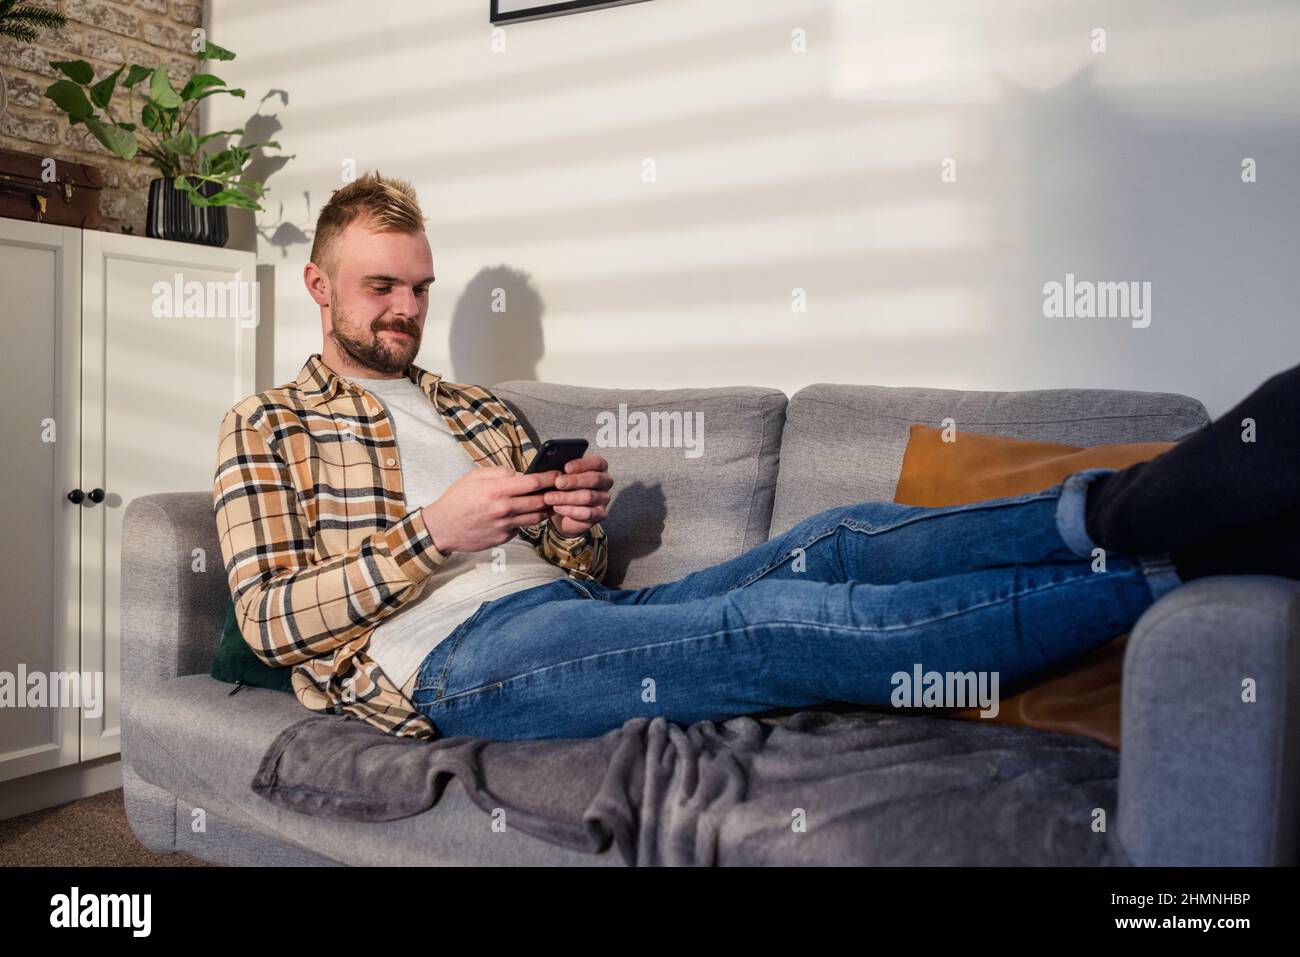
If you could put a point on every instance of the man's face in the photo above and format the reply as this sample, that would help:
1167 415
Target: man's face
379 296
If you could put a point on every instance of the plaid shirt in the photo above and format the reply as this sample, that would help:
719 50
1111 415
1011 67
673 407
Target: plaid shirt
319 543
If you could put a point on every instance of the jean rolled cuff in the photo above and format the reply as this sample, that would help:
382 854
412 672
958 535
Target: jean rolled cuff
1161 575
1070 511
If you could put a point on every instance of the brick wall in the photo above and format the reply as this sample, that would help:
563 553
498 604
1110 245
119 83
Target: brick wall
106 35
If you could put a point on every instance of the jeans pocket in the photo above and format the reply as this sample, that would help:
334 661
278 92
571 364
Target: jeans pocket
437 663
466 693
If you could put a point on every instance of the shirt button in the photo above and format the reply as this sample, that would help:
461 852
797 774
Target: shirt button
392 461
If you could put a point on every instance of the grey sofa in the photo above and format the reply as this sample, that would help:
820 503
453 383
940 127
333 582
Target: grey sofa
1202 778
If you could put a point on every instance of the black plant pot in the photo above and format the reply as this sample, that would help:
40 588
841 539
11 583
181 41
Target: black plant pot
171 215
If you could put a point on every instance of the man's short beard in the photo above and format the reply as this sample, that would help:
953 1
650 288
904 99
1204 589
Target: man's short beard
374 352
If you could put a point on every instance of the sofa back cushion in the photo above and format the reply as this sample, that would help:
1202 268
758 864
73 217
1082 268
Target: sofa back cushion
694 469
845 443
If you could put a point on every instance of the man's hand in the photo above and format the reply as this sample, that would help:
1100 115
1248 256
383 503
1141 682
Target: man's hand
486 506
581 496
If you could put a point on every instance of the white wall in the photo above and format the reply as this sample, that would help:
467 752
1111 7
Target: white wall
820 170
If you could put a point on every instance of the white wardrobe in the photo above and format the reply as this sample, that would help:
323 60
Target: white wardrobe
111 387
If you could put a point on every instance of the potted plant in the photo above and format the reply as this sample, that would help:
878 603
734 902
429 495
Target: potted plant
188 200
22 23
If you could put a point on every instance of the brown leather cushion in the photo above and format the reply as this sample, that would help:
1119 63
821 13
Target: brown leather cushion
1079 697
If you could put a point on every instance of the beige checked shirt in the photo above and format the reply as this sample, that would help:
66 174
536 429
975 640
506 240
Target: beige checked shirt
319 543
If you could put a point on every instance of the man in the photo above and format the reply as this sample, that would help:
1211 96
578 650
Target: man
378 537
327 531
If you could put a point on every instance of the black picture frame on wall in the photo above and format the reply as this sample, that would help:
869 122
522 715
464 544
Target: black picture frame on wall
540 9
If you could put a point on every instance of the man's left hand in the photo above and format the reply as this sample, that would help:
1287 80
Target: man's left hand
581 496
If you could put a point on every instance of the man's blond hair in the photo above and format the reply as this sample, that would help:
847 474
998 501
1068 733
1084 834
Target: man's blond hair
387 204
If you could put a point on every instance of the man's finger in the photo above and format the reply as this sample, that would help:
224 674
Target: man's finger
598 480
581 513
521 483
587 463
582 496
529 518
518 504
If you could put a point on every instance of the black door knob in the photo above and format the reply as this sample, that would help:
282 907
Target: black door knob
96 495
75 496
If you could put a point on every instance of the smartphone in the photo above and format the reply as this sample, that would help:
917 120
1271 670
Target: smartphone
554 454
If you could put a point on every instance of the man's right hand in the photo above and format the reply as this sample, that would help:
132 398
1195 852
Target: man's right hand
486 506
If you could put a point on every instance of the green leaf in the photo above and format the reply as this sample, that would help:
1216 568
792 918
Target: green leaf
207 93
211 51
120 142
232 197
221 164
183 143
152 118
228 196
198 83
78 70
102 91
126 126
182 182
163 121
161 91
70 98
212 136
136 74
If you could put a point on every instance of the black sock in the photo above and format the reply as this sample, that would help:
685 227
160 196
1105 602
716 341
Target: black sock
1211 483
1268 547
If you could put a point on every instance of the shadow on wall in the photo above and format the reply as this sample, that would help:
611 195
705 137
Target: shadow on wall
1145 195
244 228
496 328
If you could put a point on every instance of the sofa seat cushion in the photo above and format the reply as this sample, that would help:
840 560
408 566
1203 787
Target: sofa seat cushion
192 738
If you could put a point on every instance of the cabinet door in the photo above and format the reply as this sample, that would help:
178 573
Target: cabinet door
40 375
168 343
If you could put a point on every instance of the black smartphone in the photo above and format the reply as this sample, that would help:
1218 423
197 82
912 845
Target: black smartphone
554 454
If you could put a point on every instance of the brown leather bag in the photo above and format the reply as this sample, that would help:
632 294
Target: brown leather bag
70 199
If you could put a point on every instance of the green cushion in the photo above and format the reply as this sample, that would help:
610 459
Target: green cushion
235 662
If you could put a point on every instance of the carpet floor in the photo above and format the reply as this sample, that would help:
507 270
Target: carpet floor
91 832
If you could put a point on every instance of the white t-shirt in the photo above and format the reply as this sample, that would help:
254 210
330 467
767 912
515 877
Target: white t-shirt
432 458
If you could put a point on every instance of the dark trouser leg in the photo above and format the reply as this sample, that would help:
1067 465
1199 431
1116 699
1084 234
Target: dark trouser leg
1211 483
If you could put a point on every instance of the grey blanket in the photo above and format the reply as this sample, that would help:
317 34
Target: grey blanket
820 786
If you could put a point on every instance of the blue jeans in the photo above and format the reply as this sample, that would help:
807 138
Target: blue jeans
827 612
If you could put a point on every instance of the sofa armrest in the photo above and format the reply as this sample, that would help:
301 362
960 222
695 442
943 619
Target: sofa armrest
1207 778
174 596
